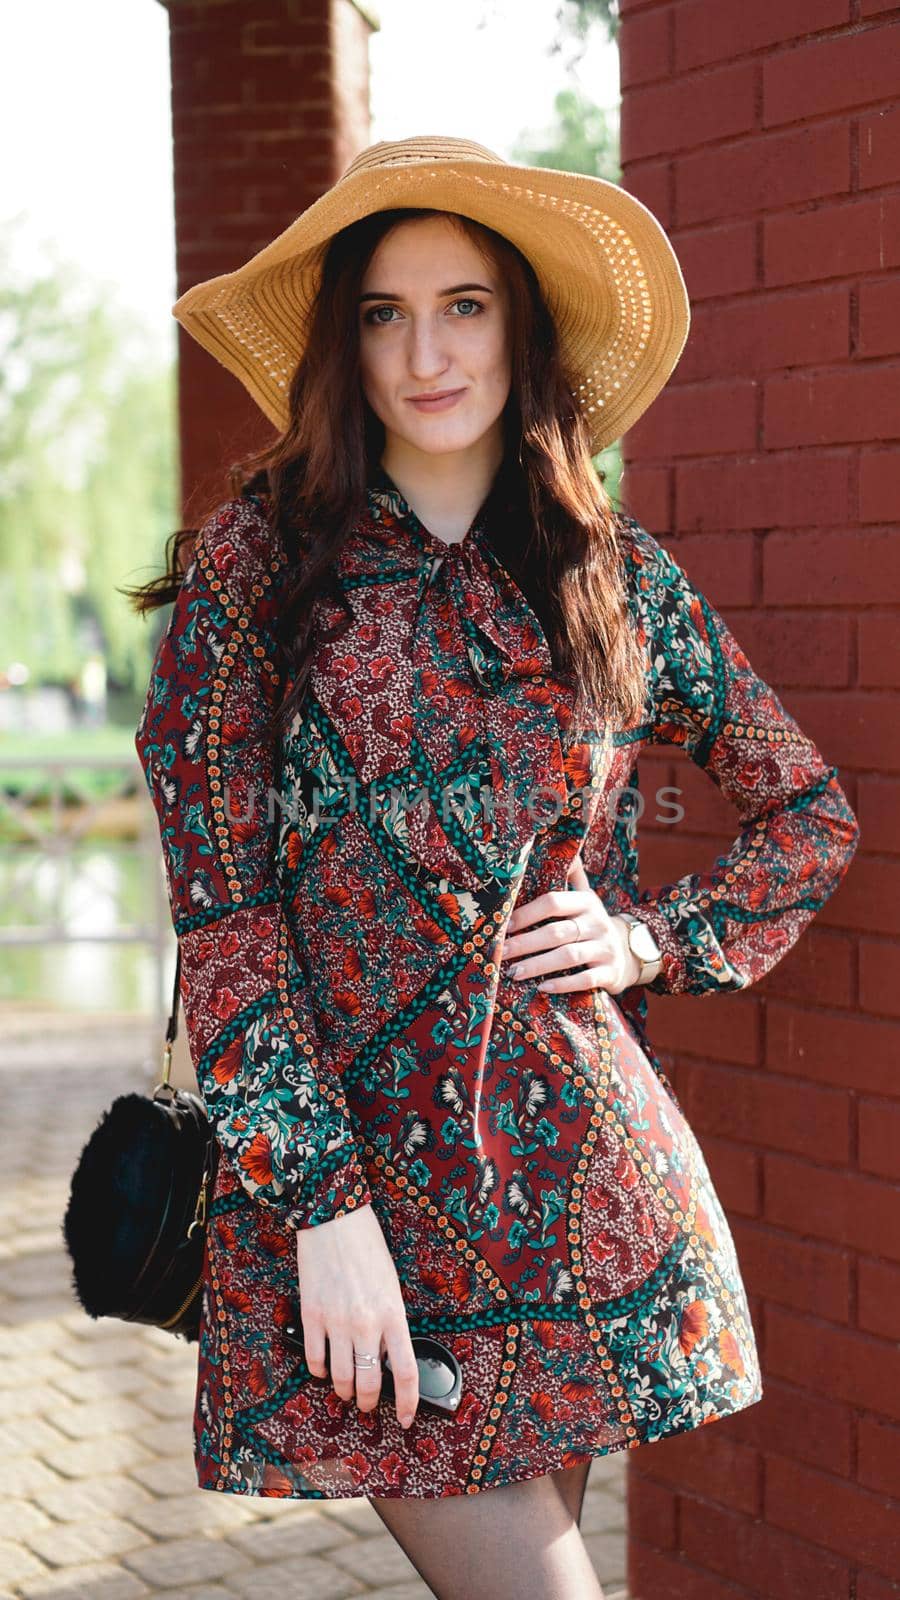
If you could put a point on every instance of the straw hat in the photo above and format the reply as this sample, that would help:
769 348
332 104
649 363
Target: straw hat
607 270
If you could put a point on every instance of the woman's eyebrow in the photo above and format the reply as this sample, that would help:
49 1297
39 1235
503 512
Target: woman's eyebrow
455 288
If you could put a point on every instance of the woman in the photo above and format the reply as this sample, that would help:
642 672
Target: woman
389 733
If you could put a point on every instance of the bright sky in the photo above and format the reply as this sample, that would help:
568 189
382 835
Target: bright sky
85 119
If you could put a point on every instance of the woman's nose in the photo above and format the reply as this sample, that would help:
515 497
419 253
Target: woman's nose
427 358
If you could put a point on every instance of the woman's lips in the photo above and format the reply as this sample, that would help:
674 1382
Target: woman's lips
441 403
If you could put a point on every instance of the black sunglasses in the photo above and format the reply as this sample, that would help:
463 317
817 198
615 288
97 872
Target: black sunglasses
440 1374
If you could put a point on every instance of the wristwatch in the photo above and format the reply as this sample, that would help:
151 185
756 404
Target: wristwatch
642 944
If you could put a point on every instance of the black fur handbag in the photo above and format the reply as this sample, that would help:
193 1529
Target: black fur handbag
135 1223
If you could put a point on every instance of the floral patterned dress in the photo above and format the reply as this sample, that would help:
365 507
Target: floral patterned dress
340 901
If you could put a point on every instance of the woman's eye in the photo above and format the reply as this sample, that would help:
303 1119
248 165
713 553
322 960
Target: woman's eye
385 322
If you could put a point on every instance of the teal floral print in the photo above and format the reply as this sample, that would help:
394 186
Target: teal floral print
357 1041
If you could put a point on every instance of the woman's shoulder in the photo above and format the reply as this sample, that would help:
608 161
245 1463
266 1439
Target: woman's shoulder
651 567
239 546
638 547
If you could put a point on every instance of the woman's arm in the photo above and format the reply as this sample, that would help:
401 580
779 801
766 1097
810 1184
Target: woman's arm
725 928
276 1105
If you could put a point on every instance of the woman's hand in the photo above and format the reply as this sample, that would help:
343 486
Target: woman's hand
581 934
350 1293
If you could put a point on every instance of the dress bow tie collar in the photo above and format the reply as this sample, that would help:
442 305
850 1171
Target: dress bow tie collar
391 543
463 591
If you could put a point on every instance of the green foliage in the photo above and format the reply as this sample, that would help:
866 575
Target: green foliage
87 471
576 18
584 137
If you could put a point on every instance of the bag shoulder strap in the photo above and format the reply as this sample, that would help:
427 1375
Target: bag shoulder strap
172 1024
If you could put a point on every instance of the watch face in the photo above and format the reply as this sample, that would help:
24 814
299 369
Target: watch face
643 943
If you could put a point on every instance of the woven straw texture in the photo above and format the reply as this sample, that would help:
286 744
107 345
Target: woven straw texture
608 272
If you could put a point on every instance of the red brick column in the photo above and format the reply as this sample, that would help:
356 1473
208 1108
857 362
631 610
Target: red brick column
270 102
766 138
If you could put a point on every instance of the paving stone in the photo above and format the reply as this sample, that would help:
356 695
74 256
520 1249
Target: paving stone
26 1401
168 1475
301 1536
174 1401
168 1438
72 1544
178 1516
82 1458
18 1563
102 1353
39 1275
22 1435
172 1363
315 1580
18 1342
37 1368
375 1561
24 1312
180 1562
98 1383
99 1580
200 1591
600 1512
259 1508
22 1517
164 1341
77 1321
32 1242
402 1591
609 1471
97 1418
113 1495
25 1475
608 1553
355 1514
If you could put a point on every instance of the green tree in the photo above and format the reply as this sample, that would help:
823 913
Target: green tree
584 137
576 19
87 469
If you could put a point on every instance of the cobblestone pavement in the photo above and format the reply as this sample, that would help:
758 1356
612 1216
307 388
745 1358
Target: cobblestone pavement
99 1496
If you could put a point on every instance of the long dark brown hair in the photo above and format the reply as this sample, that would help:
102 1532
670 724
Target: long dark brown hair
570 565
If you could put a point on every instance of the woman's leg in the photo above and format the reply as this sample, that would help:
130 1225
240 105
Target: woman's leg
512 1541
571 1483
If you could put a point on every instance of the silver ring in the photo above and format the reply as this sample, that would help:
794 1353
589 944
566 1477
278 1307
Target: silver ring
578 933
360 1360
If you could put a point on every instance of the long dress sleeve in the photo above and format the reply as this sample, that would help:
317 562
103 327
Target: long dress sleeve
724 929
276 1105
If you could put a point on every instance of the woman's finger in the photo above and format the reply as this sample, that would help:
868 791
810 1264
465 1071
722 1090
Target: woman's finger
404 1368
555 903
598 977
367 1341
340 1363
571 953
551 935
314 1348
578 877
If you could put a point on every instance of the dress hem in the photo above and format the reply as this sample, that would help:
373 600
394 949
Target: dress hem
239 1487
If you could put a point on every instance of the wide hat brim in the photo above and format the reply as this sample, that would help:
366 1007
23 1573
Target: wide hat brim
607 270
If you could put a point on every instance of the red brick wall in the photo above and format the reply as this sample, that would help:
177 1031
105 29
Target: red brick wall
270 102
766 138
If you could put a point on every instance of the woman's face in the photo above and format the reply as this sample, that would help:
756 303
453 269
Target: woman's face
433 317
